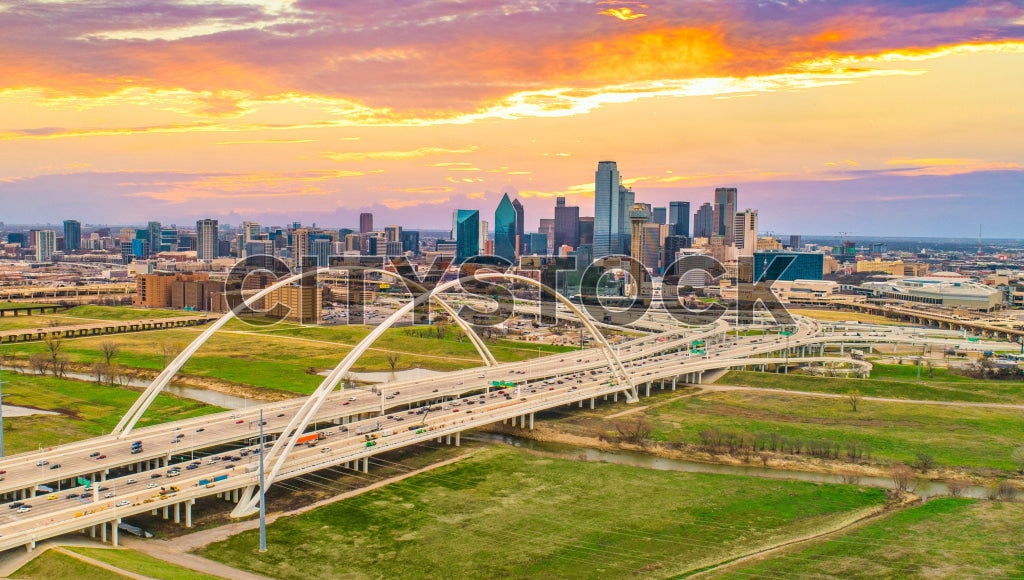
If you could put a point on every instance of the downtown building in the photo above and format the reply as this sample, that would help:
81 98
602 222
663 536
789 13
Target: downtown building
612 202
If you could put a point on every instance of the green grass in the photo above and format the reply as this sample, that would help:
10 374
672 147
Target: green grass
507 513
85 410
140 563
844 315
50 565
954 436
278 357
890 381
124 313
945 538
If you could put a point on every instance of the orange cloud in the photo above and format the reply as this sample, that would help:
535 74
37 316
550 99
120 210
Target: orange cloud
622 13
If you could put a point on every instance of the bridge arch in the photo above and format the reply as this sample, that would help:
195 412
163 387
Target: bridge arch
281 449
136 411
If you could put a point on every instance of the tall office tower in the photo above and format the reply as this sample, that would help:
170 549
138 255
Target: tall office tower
466 233
485 233
679 217
745 232
547 227
365 223
672 246
207 247
703 221
393 233
411 242
651 245
46 244
586 231
794 242
725 210
300 244
660 215
72 236
505 220
250 231
154 237
321 248
607 189
352 243
638 216
567 224
520 224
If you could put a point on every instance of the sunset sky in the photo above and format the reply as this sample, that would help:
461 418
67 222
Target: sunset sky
896 117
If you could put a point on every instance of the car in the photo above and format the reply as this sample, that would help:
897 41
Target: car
14 505
351 398
104 488
152 485
191 466
239 422
24 508
282 414
155 476
94 454
455 410
229 467
42 462
345 403
325 450
200 430
101 457
55 466
109 495
71 496
123 503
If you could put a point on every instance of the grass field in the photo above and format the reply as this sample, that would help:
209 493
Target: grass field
50 565
507 513
139 563
85 410
969 437
279 357
890 381
86 314
945 538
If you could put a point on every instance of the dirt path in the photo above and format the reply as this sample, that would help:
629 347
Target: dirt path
99 564
962 404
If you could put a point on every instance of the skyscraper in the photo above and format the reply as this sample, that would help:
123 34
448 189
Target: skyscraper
365 223
638 216
607 187
586 231
679 217
725 210
567 224
46 244
154 235
703 221
672 245
659 215
466 233
505 222
72 236
745 232
206 239
393 233
520 224
250 231
547 227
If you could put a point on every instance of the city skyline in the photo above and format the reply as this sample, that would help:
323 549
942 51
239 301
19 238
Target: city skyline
868 117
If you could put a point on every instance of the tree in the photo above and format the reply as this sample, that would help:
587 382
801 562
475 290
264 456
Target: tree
60 365
39 361
925 461
637 432
902 476
168 351
930 366
956 488
99 370
853 398
392 358
54 342
110 349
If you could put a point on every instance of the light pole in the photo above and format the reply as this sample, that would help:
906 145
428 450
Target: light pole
1 414
263 497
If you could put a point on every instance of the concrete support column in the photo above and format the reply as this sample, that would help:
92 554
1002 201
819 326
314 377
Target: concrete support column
366 465
663 383
153 512
114 531
458 439
448 439
92 531
30 546
591 403
674 383
615 397
531 421
166 513
647 389
581 403
177 513
188 512
103 532
700 377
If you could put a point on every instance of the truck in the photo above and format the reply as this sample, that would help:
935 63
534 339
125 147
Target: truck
307 438
203 482
220 477
363 429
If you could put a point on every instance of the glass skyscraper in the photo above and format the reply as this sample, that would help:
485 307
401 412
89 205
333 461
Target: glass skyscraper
679 217
505 220
607 218
466 232
72 235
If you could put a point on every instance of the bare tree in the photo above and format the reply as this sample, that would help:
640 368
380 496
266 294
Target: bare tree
100 369
39 361
392 358
60 365
930 367
54 342
1006 490
110 349
956 488
902 477
638 432
853 398
167 352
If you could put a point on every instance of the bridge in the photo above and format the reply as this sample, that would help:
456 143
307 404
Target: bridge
177 463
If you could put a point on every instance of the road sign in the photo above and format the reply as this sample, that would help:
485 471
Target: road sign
84 481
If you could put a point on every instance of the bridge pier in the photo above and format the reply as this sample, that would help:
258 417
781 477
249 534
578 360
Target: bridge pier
30 546
114 531
531 421
647 389
188 512
366 465
177 513
103 532
591 403
458 438
674 383
166 513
